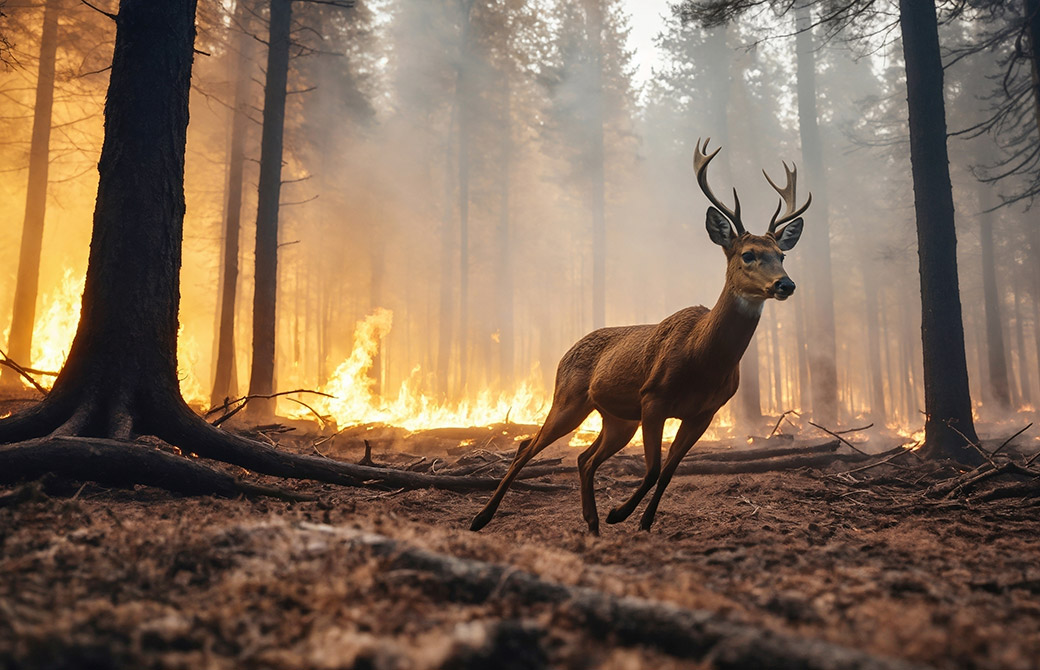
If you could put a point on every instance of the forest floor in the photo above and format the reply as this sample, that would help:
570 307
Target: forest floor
100 578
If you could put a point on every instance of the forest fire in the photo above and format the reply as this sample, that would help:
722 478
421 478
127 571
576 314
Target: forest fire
470 236
354 401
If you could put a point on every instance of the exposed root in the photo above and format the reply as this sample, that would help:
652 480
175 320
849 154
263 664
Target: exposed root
123 464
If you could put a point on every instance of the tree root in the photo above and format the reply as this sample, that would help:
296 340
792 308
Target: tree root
689 634
46 441
122 464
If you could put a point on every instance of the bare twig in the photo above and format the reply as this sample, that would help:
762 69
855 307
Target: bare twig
100 11
367 458
245 400
842 439
1008 441
854 430
781 419
985 454
888 456
7 362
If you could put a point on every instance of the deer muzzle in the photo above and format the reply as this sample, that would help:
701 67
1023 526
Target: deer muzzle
783 288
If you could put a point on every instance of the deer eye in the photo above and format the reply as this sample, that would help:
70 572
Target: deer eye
748 256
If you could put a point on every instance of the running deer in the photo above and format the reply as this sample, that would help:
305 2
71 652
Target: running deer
685 367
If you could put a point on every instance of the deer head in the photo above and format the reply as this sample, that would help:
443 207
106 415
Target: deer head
755 263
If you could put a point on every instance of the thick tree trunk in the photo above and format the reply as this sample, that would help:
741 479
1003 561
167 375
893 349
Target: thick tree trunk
19 344
596 166
122 362
224 383
996 356
947 399
265 291
822 346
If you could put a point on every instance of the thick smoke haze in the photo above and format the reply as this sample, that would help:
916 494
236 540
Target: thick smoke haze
458 163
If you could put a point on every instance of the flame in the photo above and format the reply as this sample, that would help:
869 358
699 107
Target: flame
56 327
354 401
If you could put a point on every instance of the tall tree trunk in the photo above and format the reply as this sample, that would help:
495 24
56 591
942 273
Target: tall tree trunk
225 383
1032 15
1025 384
265 290
27 283
947 399
464 101
597 166
996 356
822 345
877 379
446 313
506 339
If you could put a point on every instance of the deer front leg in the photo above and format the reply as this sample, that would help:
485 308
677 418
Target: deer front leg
653 428
676 453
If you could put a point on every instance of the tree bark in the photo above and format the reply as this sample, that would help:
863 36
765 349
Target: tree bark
265 291
947 398
224 383
19 344
822 346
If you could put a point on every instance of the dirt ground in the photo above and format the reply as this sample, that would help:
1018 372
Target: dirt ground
98 578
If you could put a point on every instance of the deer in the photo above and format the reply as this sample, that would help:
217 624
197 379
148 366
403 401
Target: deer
685 367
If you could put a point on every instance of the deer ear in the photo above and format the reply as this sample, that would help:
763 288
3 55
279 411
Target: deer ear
719 229
789 235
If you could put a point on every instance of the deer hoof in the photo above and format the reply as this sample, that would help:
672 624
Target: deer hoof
479 521
617 515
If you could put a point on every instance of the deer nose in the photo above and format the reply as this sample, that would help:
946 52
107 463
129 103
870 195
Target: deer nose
783 287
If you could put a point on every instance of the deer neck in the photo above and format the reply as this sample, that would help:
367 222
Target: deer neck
730 325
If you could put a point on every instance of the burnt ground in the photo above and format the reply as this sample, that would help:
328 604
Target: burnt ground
99 578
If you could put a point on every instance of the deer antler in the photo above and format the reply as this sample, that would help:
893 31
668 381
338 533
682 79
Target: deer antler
700 166
787 197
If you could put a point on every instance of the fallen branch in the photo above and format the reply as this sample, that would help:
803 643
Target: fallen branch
119 463
780 420
7 362
245 401
843 440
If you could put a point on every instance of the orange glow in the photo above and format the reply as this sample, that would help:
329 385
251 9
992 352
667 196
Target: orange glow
356 403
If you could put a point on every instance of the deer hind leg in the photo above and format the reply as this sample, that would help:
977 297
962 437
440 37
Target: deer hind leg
615 435
684 440
652 431
561 420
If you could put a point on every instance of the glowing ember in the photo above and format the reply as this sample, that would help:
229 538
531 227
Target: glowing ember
355 402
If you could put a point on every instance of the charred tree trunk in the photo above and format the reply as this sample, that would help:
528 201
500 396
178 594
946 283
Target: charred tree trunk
265 290
596 166
225 382
19 343
947 399
123 359
822 348
996 356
